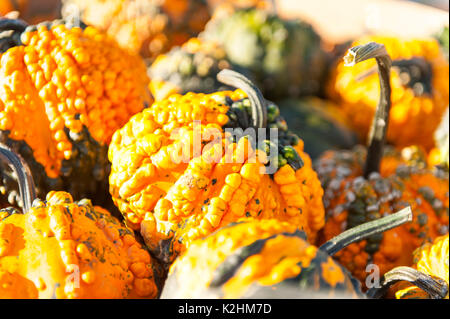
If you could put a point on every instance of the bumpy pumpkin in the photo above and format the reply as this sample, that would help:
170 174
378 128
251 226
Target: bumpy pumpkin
59 248
420 90
266 259
319 123
426 279
150 27
192 67
431 259
222 177
63 92
355 191
285 57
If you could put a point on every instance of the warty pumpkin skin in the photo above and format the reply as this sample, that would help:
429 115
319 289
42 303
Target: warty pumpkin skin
420 90
431 259
65 249
351 200
285 57
148 27
267 259
173 203
64 90
362 185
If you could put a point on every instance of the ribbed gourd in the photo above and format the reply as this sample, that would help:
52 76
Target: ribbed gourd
362 185
148 27
64 90
179 170
420 90
285 57
267 259
61 248
193 67
319 123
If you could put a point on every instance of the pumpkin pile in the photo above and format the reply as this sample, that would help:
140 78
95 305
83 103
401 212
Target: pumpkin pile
181 149
64 90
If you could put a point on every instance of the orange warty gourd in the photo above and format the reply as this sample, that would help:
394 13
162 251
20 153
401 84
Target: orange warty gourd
431 259
362 185
149 27
64 90
59 248
268 259
420 90
222 177
426 279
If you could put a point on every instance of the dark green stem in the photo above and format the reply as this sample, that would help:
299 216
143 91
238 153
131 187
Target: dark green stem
365 230
25 179
257 100
435 288
377 134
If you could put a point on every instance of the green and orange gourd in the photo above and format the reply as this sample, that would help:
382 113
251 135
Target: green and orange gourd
64 90
430 262
61 248
221 178
268 259
364 184
420 90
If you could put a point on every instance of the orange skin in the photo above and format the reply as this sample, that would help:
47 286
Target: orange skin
62 249
431 259
413 118
430 215
146 27
175 203
12 5
284 255
67 78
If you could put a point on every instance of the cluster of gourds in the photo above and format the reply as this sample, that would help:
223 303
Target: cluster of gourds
121 175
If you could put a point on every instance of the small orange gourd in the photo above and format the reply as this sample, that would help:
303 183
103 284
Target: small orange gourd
186 166
59 248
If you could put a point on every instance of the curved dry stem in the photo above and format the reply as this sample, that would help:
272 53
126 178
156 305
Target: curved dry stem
22 171
12 25
257 100
435 288
378 129
365 230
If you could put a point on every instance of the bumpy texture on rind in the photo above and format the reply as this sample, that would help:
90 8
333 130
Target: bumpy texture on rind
174 201
420 90
431 259
66 249
148 27
350 200
63 93
257 259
